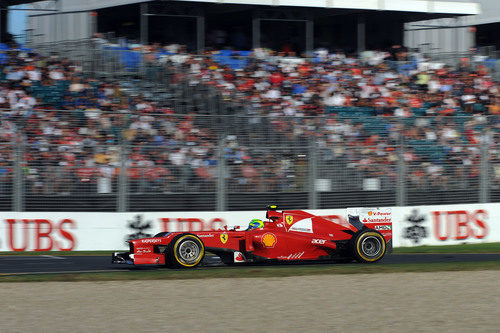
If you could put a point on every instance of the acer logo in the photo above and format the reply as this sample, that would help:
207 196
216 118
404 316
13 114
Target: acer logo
318 241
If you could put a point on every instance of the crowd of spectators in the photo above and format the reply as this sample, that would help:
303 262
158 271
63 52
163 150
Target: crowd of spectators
357 110
333 98
76 129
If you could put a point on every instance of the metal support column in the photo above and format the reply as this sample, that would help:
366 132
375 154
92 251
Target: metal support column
17 200
144 24
93 23
256 32
200 33
313 175
484 190
309 36
361 33
401 194
221 178
3 11
122 199
58 33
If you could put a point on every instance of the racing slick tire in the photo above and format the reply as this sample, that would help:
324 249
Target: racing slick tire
369 246
186 251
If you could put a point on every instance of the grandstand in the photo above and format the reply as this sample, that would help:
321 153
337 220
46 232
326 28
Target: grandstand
180 131
116 123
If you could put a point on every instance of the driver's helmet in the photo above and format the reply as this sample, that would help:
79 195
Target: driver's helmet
255 224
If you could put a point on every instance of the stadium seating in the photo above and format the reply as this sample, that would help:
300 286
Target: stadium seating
188 95
233 59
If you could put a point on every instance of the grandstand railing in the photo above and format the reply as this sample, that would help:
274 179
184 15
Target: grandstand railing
101 58
246 160
53 160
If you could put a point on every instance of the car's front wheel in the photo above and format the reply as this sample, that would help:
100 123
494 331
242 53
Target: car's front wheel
187 251
369 246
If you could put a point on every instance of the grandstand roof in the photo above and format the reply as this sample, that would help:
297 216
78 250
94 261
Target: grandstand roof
17 2
464 7
428 6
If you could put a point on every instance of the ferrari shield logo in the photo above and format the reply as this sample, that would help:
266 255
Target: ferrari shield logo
223 238
289 219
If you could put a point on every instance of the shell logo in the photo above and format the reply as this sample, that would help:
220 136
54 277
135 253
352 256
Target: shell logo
370 213
269 240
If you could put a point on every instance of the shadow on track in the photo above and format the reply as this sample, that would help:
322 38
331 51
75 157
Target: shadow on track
84 264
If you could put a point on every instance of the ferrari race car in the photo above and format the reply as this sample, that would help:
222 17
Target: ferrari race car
293 235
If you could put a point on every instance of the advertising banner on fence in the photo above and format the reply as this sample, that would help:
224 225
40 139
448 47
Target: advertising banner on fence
446 224
68 231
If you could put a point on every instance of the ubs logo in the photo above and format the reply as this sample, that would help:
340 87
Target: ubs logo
138 227
415 232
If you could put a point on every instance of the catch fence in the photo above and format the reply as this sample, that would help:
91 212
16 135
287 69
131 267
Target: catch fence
63 160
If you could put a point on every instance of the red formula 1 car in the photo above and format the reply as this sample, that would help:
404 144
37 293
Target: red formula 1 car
293 235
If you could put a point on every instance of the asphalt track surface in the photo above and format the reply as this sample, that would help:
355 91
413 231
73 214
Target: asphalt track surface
44 264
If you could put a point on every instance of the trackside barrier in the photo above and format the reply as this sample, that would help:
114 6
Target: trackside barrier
66 231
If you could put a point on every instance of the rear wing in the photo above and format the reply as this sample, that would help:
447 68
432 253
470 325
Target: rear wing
274 215
379 219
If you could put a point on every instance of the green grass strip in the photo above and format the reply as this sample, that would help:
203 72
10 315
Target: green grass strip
56 253
254 272
461 248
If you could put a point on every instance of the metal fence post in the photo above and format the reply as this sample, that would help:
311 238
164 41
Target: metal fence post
401 194
17 199
484 192
221 178
122 179
313 175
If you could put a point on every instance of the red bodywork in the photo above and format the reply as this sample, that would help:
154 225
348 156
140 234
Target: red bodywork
286 236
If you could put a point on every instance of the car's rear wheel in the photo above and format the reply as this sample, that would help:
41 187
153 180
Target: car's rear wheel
187 251
369 246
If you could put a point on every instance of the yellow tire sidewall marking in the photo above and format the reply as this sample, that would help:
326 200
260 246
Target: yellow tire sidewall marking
358 243
202 252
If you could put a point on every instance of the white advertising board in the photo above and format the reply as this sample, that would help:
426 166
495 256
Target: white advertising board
446 224
64 231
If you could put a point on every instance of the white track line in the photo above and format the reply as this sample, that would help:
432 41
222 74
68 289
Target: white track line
40 257
52 257
21 258
59 272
